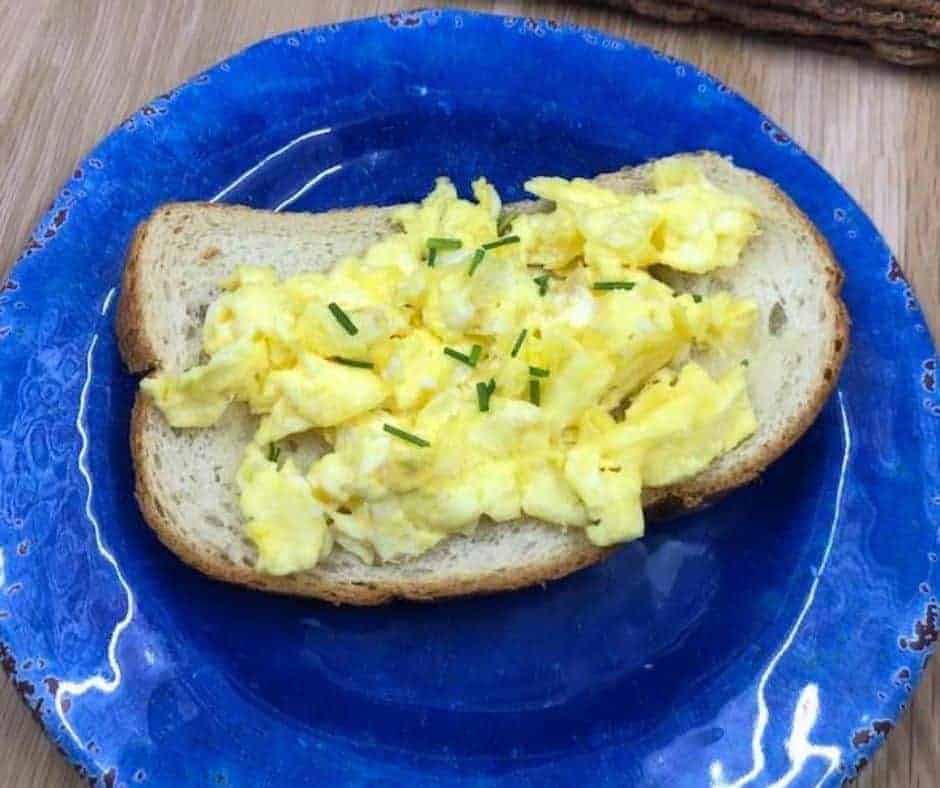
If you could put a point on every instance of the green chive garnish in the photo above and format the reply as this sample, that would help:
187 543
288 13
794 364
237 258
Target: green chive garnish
444 244
535 391
274 453
470 360
351 362
343 319
538 372
509 239
542 281
483 397
746 363
484 392
477 259
518 343
406 436
614 285
505 222
696 298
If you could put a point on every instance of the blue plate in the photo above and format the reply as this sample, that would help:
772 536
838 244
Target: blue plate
774 637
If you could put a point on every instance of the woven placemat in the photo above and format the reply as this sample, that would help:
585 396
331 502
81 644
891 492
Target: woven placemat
906 32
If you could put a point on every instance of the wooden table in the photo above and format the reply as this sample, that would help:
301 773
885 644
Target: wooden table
72 69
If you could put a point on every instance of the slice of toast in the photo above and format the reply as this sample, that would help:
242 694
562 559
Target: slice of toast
186 478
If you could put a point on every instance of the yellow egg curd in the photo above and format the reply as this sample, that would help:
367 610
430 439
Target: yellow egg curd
469 366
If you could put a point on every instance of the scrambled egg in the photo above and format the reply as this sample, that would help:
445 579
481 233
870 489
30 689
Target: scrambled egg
469 366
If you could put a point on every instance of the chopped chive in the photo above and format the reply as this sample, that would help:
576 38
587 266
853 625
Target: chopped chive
535 391
491 386
746 363
444 244
406 436
274 453
449 351
542 281
477 259
351 362
518 343
483 397
696 298
538 372
432 258
505 222
614 285
343 319
469 359
509 239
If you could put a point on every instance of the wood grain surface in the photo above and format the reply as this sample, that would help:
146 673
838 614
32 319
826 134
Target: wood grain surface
72 69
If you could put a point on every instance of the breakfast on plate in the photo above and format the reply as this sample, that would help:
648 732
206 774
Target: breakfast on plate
458 396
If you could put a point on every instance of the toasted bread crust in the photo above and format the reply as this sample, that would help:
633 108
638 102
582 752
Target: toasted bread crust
133 342
139 354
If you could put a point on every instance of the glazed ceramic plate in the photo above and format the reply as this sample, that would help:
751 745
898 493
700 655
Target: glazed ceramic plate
772 639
